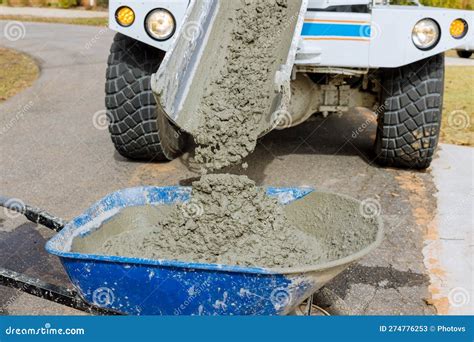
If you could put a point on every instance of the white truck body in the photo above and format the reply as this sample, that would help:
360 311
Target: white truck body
468 46
379 38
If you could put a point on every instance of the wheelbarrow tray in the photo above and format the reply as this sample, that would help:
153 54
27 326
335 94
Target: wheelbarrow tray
165 287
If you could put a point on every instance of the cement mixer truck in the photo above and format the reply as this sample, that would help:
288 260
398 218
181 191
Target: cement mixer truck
347 53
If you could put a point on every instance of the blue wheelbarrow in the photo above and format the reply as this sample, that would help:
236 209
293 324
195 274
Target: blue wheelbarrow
122 285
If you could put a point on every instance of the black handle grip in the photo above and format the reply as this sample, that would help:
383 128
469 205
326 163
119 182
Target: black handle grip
33 214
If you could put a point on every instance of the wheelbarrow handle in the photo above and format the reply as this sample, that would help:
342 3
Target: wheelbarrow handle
33 214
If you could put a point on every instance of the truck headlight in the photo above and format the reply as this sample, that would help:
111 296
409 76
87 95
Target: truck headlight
458 28
426 34
160 24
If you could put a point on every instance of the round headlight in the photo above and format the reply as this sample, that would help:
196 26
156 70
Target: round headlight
458 28
124 16
426 34
160 24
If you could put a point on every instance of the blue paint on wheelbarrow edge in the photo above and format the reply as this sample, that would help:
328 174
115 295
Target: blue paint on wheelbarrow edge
165 287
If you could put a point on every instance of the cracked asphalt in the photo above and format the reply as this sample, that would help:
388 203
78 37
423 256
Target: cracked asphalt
52 156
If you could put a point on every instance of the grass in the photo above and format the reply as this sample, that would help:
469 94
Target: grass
74 21
458 116
17 72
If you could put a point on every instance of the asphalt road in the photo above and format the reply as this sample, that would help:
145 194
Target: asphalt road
52 156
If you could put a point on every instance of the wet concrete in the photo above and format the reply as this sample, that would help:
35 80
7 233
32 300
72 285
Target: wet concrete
233 95
230 221
53 157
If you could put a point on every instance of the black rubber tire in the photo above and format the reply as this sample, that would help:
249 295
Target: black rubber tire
464 54
137 129
409 126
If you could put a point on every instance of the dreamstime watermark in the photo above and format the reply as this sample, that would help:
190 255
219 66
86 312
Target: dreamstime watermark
281 119
459 297
14 31
47 329
193 292
459 119
101 119
178 133
103 296
13 298
192 209
14 208
370 30
280 298
192 30
17 117
359 130
95 39
370 208
91 43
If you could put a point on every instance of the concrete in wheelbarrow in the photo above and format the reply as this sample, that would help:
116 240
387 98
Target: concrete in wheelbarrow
55 156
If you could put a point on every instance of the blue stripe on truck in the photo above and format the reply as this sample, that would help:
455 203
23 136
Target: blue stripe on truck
336 30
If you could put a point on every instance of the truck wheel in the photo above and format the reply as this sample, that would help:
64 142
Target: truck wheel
137 130
409 126
464 53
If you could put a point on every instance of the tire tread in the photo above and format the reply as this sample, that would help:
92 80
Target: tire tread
409 128
130 101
